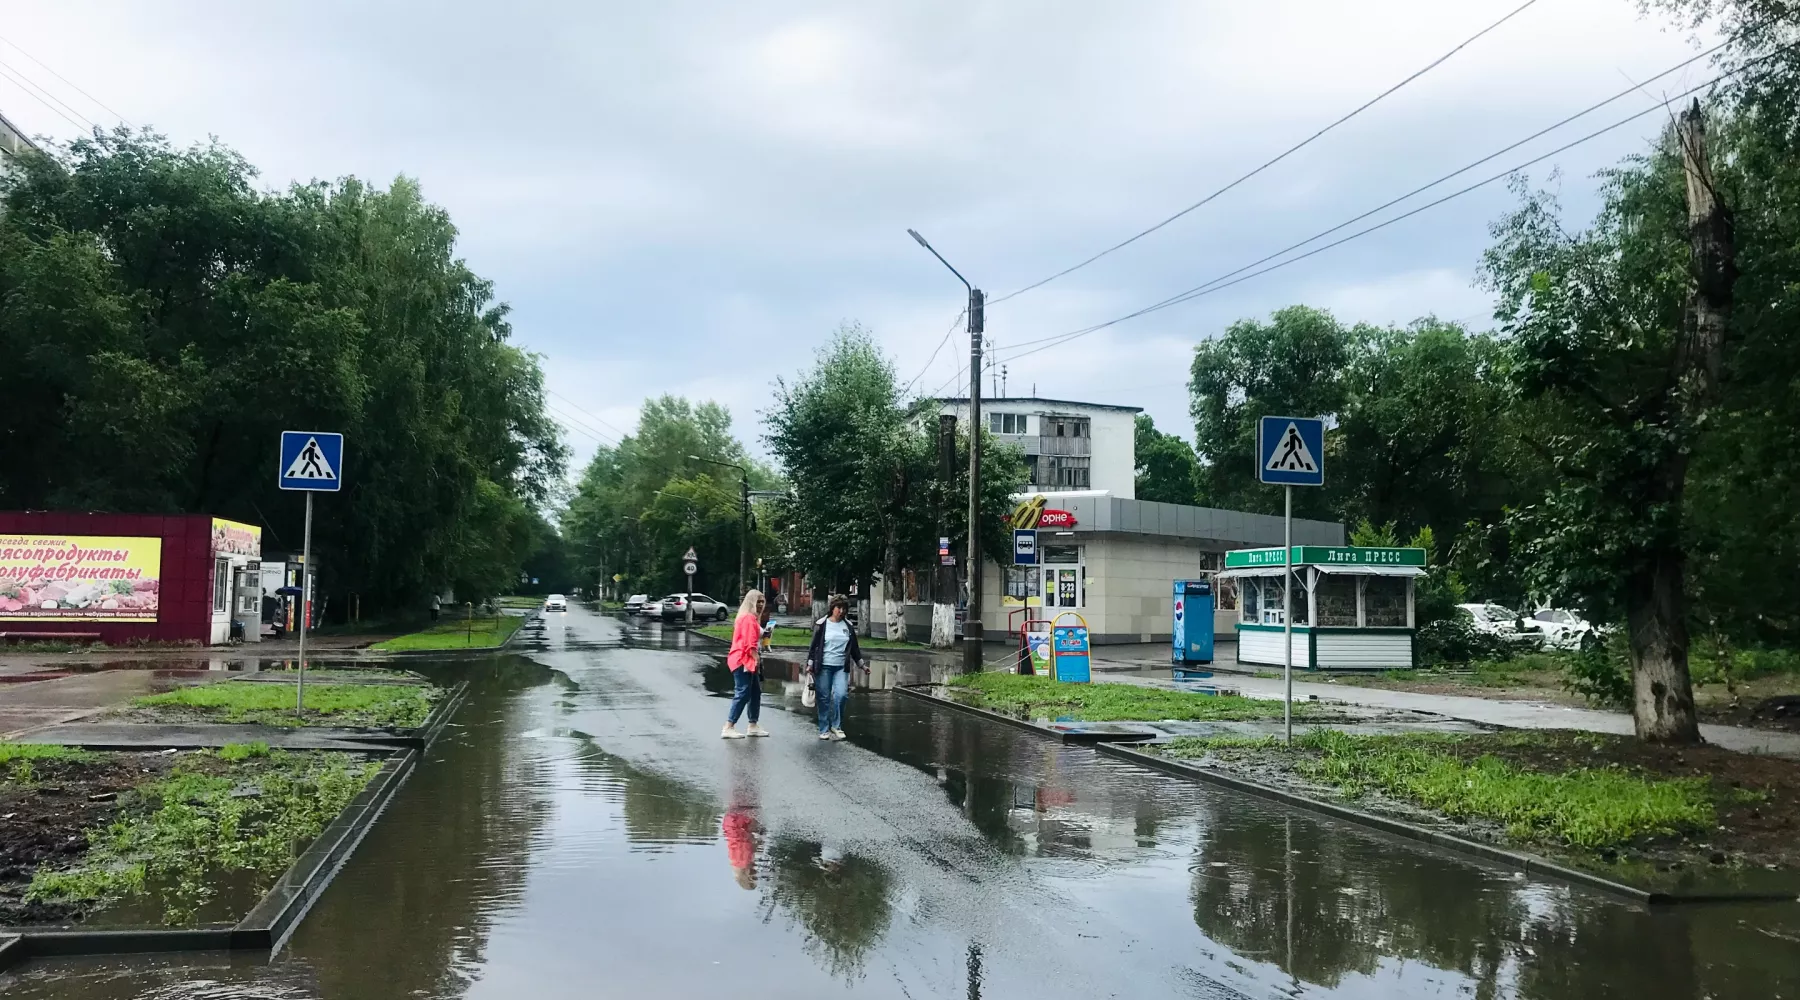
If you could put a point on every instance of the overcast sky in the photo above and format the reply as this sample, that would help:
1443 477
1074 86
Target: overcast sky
688 197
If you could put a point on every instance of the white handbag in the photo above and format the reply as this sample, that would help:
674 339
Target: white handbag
809 695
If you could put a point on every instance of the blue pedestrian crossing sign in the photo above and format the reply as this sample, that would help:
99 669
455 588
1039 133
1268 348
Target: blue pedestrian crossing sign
312 460
1290 451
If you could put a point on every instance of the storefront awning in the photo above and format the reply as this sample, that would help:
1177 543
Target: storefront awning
1228 574
1371 570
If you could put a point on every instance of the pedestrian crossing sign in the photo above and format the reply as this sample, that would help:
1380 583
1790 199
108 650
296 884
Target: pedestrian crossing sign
1290 451
312 460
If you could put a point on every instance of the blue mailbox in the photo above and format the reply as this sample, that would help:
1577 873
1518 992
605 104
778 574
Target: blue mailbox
1191 637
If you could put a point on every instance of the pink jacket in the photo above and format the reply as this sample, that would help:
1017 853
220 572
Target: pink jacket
744 637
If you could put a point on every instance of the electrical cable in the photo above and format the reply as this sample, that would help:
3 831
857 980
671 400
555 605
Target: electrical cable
29 93
1284 154
935 351
18 76
66 80
578 408
1220 283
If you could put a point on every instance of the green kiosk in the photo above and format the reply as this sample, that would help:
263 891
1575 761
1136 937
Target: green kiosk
1353 605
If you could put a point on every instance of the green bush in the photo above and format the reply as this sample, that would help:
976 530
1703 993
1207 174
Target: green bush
1456 640
1600 671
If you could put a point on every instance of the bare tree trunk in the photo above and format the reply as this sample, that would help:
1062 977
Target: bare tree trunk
893 592
1656 604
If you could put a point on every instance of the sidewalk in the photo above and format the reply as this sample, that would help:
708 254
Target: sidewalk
1138 665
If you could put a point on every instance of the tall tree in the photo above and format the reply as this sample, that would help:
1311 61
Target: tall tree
163 320
1166 467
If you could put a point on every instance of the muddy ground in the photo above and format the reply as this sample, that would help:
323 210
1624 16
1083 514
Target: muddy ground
1770 702
44 822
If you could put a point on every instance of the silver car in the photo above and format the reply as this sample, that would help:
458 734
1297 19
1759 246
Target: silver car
675 607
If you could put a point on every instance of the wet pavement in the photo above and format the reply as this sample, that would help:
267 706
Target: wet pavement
581 831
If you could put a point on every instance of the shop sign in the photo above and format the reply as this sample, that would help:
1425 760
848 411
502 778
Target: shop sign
1356 555
79 578
1241 558
234 538
1035 513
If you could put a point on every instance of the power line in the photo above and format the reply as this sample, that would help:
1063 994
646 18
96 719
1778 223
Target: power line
1284 154
935 351
577 407
569 419
29 93
1434 183
26 81
1220 284
66 80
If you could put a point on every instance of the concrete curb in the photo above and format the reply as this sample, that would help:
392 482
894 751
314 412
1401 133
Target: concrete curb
1064 736
1530 864
273 919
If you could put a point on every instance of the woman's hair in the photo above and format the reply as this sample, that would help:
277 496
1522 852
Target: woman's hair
752 598
838 601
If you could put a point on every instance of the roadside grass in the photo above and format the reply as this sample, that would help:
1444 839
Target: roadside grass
1037 696
241 809
456 634
19 761
1591 809
403 705
788 637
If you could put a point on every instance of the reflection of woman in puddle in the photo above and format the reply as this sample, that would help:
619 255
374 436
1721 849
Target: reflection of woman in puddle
740 825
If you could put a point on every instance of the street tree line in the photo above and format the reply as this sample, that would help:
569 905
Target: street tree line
163 319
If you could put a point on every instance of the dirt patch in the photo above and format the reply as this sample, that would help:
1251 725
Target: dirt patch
44 821
1529 685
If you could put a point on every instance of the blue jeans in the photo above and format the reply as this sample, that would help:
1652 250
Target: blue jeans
833 687
747 691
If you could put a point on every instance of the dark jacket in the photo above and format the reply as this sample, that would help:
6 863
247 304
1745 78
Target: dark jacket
815 654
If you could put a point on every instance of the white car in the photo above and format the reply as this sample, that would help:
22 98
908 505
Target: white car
635 603
1502 621
556 602
675 606
1562 629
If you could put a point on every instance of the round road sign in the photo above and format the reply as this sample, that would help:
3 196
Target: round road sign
690 568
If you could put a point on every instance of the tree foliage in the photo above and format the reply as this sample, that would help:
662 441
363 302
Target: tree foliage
163 319
1166 466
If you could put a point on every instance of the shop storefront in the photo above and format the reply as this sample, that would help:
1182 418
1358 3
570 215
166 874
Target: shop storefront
1113 560
1352 606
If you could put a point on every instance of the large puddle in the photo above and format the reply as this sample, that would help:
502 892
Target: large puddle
581 831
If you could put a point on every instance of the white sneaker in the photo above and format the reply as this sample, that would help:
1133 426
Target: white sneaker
756 730
731 733
824 736
838 734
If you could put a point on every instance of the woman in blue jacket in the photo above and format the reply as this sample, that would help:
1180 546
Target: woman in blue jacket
834 650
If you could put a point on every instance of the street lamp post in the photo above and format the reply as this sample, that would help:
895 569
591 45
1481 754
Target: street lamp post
744 539
977 325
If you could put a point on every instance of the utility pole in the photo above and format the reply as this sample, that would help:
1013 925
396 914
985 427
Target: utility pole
743 577
972 621
977 325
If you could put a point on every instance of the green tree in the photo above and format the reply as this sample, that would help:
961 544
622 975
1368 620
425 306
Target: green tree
1166 466
163 320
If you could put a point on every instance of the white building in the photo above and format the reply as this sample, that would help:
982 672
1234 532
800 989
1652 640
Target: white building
1068 446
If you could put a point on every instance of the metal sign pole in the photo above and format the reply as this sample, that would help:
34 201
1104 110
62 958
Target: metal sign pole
305 605
690 599
1287 613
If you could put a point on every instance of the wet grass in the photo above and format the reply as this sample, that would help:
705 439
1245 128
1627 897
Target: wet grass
785 637
243 810
1041 697
19 762
457 634
1588 808
403 705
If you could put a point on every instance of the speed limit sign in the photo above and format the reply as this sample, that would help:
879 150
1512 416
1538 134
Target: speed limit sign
690 568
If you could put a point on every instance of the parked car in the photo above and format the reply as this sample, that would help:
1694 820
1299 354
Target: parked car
651 607
556 602
675 606
1563 629
634 605
1505 623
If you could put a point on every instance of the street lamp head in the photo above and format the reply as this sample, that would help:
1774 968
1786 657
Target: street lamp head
914 233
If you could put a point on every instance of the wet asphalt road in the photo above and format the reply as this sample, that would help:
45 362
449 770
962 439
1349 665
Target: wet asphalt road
582 831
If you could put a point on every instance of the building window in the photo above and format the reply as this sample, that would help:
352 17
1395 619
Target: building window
221 585
1021 584
1006 423
1074 427
1067 472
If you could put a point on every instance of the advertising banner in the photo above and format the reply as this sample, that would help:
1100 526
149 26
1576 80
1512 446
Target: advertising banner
235 538
79 578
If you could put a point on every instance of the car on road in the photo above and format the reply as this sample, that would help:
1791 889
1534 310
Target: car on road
556 602
1504 623
675 606
634 605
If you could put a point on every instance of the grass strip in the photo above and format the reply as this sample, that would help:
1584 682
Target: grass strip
479 634
788 637
403 705
243 808
1035 696
1585 808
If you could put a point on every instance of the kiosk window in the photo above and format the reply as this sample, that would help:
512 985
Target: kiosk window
1252 599
1337 599
1225 594
221 585
1384 601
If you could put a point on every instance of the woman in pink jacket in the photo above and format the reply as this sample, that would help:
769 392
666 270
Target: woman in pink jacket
746 635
